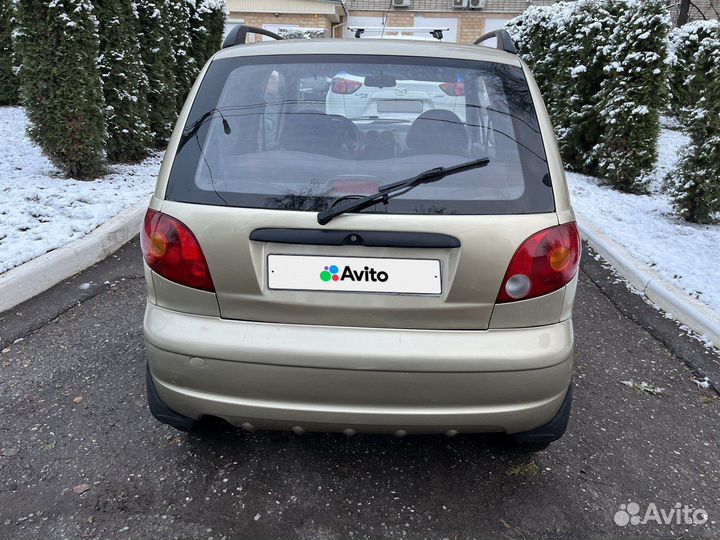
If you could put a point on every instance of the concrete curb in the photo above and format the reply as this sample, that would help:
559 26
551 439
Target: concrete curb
671 299
39 274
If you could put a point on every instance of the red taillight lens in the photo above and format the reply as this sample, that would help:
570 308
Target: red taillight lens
545 262
345 86
453 89
171 250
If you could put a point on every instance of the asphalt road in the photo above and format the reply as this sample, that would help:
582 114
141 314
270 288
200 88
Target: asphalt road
73 412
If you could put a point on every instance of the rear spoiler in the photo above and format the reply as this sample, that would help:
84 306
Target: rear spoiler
504 41
238 35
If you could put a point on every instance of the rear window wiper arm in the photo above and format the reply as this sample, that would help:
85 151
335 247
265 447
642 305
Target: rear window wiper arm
389 191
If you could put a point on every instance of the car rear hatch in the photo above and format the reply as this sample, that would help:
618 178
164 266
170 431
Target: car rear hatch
256 163
468 254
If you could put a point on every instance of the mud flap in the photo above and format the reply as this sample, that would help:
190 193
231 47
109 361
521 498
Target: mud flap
162 412
551 431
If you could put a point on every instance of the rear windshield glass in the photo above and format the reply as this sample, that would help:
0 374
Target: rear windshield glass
297 132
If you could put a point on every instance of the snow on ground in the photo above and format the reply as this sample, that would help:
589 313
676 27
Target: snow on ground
40 210
647 225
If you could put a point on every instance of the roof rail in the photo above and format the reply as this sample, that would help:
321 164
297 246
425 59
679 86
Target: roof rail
435 32
238 35
504 41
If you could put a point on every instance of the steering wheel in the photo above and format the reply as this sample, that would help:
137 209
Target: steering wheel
348 134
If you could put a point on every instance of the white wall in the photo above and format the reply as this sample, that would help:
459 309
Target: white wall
434 22
493 24
230 24
355 22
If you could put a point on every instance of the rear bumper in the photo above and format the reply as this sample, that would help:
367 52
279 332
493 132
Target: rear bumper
322 378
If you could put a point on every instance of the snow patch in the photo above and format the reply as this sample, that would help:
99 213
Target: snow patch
648 226
41 210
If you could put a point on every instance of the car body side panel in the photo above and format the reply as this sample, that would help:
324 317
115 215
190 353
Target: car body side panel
545 309
186 299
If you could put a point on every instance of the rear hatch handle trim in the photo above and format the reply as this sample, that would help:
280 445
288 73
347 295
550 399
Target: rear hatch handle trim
323 237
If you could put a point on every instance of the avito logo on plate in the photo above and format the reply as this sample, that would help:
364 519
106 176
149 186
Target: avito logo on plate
331 272
375 275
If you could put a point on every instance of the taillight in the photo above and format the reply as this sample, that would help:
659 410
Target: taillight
544 263
341 85
453 88
171 250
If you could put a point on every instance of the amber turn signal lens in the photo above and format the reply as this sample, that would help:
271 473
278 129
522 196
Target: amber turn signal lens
158 245
560 258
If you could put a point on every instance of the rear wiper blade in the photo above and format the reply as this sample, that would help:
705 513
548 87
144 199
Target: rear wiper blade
389 191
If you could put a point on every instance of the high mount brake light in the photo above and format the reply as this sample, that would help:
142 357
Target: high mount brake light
171 250
456 89
341 85
544 263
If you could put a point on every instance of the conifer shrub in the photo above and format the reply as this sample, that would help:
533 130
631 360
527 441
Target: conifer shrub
159 64
57 44
8 80
178 22
600 65
697 178
207 26
633 93
685 82
124 81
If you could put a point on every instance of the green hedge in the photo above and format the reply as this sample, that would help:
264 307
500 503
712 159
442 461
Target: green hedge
697 178
60 83
103 79
185 68
124 82
207 26
9 83
156 47
686 83
600 65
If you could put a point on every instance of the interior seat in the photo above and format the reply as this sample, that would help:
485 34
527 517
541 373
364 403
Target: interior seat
438 131
315 133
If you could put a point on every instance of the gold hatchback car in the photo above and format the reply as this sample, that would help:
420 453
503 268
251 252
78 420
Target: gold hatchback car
362 236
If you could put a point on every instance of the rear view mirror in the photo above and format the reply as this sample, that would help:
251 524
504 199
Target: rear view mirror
380 81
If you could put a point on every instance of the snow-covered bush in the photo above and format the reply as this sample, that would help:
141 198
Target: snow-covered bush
178 21
697 179
289 32
207 26
600 65
159 62
8 80
60 83
633 92
124 82
686 83
559 44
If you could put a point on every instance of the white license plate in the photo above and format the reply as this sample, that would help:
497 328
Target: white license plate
354 274
399 106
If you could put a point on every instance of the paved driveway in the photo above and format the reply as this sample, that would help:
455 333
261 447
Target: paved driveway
73 415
